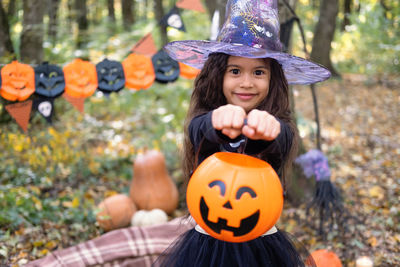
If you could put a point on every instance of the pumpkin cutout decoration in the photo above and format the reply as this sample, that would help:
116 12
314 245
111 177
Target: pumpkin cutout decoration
234 197
166 69
115 212
18 81
80 78
152 187
139 72
187 71
325 258
110 76
49 80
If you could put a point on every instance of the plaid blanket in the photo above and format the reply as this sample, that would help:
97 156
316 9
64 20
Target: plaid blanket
133 246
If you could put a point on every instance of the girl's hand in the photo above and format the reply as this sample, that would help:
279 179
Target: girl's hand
229 119
261 126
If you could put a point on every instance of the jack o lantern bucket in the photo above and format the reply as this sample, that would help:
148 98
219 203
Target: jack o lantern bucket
234 197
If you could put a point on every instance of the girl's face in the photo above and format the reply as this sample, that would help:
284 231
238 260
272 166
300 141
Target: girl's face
246 81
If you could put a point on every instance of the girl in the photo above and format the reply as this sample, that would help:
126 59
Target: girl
240 103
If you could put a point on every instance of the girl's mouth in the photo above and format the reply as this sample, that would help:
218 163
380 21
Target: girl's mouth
244 96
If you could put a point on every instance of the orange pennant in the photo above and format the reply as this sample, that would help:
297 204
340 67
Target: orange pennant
145 46
21 112
191 4
77 102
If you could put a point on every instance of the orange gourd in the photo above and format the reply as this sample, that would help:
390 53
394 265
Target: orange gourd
139 71
234 197
187 71
18 81
152 187
80 78
115 212
326 258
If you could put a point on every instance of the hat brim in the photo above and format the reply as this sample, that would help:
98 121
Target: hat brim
297 70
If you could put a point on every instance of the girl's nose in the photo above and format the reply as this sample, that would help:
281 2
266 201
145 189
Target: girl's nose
246 81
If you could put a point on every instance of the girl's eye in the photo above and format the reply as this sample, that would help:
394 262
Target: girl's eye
234 71
259 72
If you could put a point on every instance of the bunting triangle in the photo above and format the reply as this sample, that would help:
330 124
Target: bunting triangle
21 112
77 102
191 4
145 46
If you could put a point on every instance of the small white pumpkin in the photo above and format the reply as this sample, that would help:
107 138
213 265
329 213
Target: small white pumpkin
149 217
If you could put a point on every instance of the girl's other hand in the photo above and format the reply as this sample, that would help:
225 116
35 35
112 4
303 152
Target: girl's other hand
261 126
229 119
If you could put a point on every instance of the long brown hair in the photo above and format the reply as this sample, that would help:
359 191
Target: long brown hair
208 95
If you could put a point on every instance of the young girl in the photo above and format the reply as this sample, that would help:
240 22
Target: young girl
240 103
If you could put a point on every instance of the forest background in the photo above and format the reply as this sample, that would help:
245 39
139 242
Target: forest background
52 177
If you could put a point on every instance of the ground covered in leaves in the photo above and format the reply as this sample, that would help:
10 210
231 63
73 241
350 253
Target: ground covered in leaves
360 132
360 135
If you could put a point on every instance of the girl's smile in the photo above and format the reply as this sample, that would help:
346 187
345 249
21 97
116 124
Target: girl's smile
246 81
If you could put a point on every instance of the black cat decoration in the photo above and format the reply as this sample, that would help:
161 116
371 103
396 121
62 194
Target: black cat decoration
49 80
165 68
110 76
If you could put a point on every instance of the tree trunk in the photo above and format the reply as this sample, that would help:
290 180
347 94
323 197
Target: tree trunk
53 6
347 4
31 48
159 11
324 33
286 19
213 5
83 24
5 39
111 10
12 9
127 13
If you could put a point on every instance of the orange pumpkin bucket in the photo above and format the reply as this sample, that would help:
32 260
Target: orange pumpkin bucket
235 197
139 71
80 78
187 71
18 81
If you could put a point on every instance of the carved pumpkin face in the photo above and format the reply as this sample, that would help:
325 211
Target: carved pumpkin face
166 69
80 78
18 81
49 80
234 197
139 72
110 75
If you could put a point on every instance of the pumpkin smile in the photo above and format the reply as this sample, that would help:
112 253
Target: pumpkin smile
246 225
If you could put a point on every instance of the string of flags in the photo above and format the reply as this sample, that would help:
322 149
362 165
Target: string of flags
36 88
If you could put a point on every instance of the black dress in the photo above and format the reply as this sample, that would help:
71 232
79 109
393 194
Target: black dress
195 248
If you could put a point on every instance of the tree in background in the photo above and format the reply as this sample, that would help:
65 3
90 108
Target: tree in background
52 11
5 39
324 33
128 18
159 11
31 48
83 23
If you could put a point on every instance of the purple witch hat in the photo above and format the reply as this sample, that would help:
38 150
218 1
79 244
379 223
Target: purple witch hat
251 30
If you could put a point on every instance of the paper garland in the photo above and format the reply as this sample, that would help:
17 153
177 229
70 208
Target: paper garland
80 79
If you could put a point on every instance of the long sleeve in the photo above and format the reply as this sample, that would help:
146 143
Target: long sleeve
206 140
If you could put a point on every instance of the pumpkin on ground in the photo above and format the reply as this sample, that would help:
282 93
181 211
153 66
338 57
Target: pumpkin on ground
149 217
235 197
152 187
326 258
115 212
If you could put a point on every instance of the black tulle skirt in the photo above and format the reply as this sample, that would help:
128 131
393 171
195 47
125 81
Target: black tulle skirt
201 250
